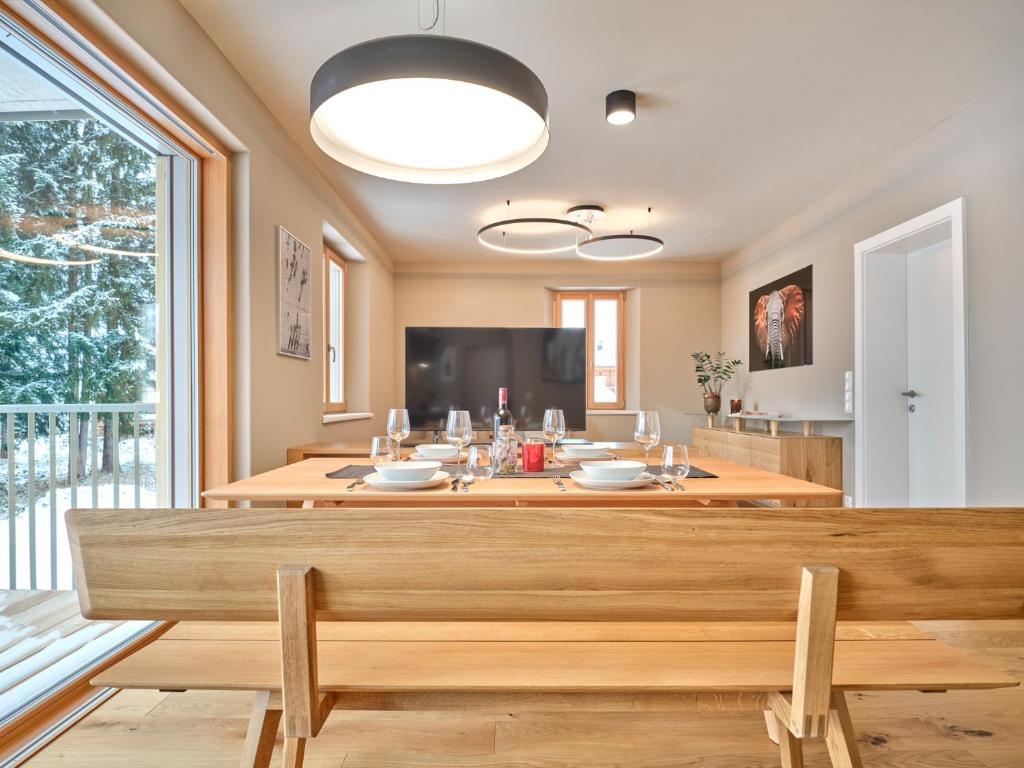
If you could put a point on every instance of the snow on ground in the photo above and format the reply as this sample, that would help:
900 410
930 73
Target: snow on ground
104 499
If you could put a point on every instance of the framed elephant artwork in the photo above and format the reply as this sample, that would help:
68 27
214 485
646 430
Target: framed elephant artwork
781 322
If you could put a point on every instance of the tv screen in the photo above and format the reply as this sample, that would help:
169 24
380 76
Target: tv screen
463 368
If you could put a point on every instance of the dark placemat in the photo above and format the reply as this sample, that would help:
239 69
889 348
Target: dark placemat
353 471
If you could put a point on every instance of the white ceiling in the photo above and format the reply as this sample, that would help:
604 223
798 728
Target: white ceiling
747 111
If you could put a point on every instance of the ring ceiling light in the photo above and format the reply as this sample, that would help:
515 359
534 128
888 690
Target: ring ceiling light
428 109
532 236
4 254
66 239
620 247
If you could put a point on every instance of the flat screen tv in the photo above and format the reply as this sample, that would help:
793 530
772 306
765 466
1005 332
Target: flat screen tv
463 368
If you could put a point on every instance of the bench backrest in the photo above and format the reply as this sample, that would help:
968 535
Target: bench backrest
548 564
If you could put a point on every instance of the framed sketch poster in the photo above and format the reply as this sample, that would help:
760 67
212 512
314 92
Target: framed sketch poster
294 289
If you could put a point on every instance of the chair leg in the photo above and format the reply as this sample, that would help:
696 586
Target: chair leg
772 724
294 751
259 739
840 738
791 748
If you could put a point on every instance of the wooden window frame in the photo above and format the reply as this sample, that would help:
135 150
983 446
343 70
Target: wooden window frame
589 297
333 257
96 58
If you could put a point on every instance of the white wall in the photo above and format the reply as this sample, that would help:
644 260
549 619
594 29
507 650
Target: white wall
672 309
278 399
977 153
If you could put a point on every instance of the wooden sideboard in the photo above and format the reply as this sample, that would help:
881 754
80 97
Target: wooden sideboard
815 458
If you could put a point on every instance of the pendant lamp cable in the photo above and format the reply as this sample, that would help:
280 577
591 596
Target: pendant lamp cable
440 13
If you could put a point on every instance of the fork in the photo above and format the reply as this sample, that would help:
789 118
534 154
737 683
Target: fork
559 483
353 484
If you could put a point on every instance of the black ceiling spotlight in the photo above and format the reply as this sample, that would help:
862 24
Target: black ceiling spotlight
620 107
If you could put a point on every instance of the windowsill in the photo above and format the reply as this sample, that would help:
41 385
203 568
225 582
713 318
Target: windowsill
599 412
332 418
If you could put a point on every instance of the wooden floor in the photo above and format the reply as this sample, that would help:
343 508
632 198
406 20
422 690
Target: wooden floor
899 730
44 639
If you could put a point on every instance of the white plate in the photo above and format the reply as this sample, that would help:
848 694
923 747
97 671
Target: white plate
453 459
613 470
584 451
562 456
435 450
377 481
408 471
581 478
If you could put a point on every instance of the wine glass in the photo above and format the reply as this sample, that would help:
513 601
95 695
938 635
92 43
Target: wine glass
647 432
554 427
382 450
478 464
398 427
459 432
675 464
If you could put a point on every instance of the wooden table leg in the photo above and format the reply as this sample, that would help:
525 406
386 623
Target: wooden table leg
294 752
791 749
259 739
840 738
772 724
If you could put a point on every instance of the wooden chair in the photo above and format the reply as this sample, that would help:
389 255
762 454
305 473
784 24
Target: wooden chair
482 609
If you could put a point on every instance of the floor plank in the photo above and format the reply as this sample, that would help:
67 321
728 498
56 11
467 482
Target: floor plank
963 729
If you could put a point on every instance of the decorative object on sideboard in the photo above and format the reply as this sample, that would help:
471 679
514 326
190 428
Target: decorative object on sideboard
781 322
713 371
294 272
428 108
735 406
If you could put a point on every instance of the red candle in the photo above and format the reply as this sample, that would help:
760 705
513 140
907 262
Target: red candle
533 457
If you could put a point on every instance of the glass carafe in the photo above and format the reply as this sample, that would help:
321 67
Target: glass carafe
505 451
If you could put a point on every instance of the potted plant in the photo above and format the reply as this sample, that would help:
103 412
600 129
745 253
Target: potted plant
712 373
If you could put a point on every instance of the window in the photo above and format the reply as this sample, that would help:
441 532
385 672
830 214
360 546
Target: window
602 314
335 285
98 335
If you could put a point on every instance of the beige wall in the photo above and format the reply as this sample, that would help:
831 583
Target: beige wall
278 399
978 154
672 310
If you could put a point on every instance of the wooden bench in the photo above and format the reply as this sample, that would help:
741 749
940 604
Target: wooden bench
468 609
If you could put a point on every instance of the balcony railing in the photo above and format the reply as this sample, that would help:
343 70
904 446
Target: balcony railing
63 456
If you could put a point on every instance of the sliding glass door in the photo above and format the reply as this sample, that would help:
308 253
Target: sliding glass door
97 346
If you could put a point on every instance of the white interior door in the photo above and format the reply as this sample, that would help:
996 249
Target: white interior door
932 411
910 364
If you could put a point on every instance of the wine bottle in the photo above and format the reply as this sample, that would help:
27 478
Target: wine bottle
503 416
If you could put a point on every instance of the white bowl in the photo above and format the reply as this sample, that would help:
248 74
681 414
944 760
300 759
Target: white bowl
408 470
585 451
613 470
435 449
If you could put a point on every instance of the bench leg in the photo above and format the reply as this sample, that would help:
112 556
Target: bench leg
259 739
840 737
772 724
294 751
791 749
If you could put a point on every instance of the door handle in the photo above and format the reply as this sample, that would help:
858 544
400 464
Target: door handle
910 393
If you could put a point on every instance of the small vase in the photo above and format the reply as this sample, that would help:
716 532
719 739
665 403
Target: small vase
712 404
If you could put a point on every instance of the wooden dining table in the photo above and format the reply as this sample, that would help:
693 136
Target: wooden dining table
307 482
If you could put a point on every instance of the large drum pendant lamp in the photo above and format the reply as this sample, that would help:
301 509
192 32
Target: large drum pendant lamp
428 109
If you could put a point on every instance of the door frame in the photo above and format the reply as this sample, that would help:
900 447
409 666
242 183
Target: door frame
954 213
